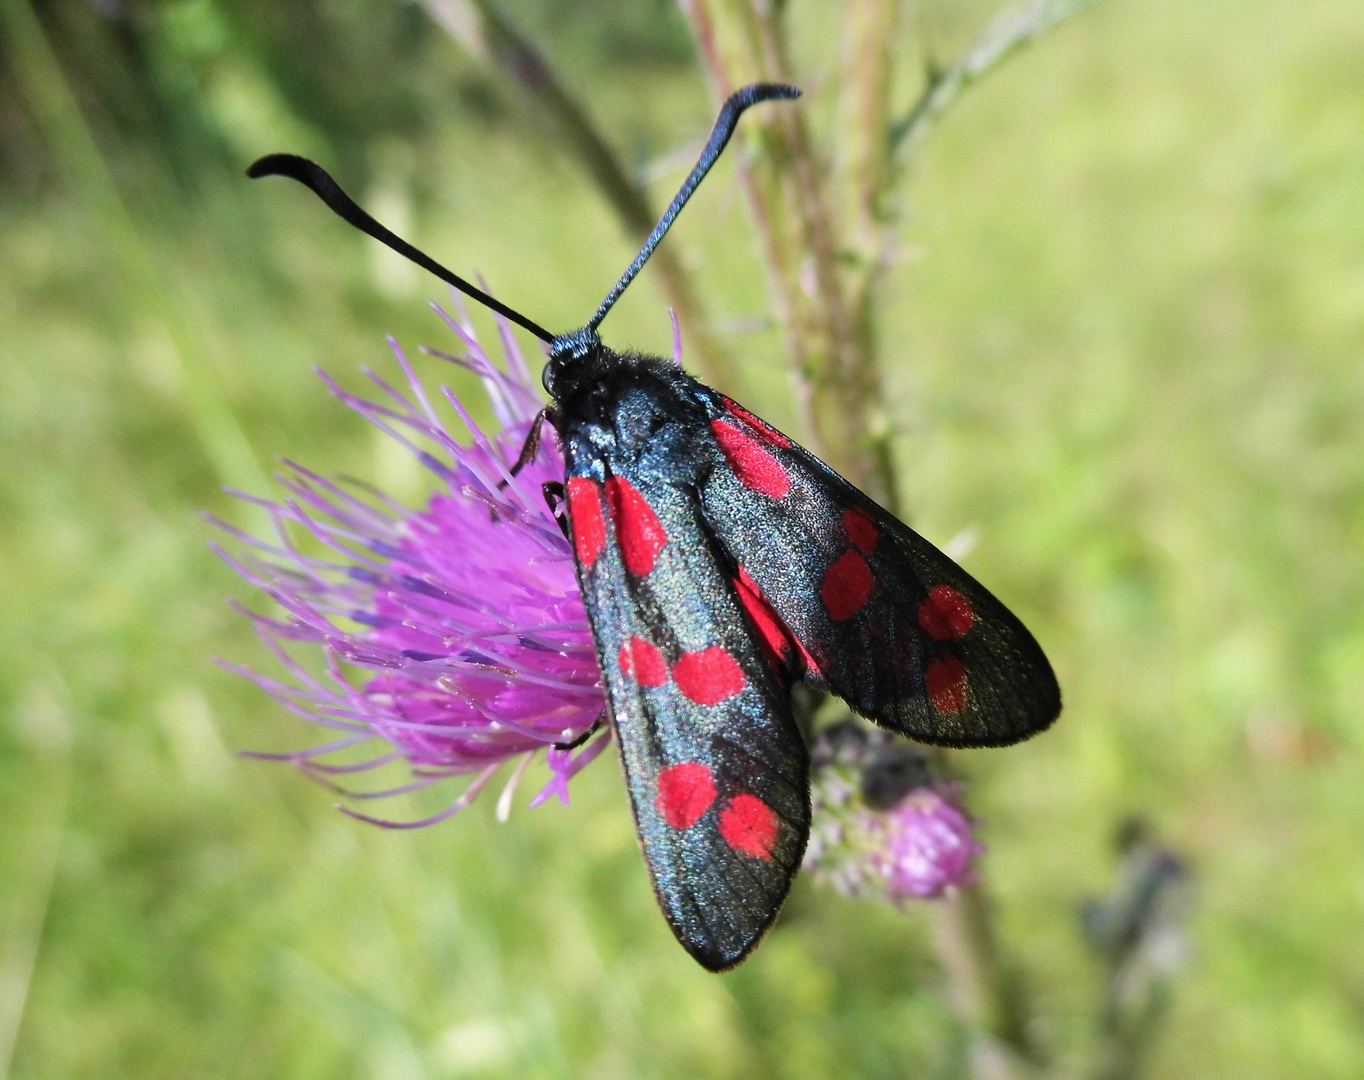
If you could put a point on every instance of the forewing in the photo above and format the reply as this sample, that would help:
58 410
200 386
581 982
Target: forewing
716 768
861 604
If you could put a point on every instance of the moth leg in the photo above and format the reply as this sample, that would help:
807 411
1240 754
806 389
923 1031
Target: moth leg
554 499
531 446
596 727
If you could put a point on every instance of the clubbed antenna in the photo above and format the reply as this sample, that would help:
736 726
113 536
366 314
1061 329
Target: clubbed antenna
730 112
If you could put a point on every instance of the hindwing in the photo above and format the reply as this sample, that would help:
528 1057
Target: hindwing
858 603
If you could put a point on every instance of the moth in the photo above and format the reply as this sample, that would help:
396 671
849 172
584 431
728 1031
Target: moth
720 563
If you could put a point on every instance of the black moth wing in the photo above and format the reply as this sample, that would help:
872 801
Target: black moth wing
717 772
858 603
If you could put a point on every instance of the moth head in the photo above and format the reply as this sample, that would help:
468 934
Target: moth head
569 353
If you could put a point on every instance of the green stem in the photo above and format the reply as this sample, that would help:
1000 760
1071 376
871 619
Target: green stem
836 383
986 996
1128 1032
761 185
868 76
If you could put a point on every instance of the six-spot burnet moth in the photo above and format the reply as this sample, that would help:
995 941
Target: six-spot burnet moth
719 562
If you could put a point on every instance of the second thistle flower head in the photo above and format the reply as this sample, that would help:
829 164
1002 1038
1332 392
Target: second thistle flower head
453 637
927 846
883 825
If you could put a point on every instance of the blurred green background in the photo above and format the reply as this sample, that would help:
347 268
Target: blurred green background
1125 341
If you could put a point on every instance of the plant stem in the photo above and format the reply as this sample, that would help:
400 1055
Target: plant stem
722 47
836 383
1125 1044
865 173
985 996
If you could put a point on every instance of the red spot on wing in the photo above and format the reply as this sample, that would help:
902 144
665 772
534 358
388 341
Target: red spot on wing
772 632
750 826
710 676
767 434
641 659
947 685
638 529
861 530
755 467
946 614
847 586
589 529
685 793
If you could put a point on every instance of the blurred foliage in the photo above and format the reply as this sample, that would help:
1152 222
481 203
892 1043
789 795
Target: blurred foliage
176 91
1127 328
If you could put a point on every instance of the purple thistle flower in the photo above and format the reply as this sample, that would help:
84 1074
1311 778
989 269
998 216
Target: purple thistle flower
883 825
926 846
454 636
